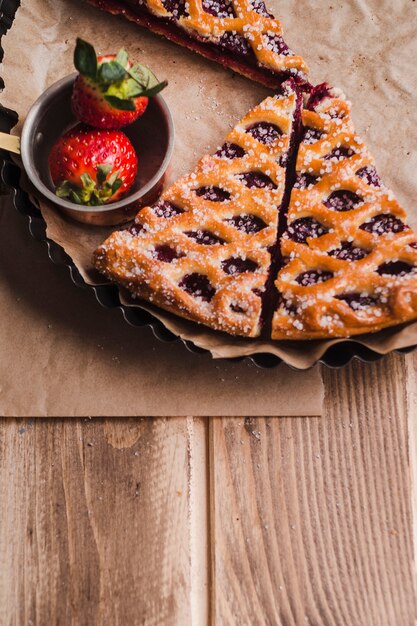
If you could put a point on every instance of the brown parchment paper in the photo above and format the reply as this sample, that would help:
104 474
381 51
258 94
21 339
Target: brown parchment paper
63 355
60 353
365 47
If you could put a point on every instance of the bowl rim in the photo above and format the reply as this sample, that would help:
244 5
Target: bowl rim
47 193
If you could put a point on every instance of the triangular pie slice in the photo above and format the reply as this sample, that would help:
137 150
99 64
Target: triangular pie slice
239 34
350 257
204 250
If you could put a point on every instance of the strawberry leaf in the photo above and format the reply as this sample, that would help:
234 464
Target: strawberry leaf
88 183
147 83
106 194
113 178
149 93
140 73
132 89
66 189
102 171
85 59
151 79
116 185
63 190
95 200
89 194
122 57
118 103
111 72
77 197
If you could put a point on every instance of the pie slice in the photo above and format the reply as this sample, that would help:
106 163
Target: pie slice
350 258
240 34
204 250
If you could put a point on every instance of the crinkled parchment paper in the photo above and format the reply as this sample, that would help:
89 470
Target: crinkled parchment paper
61 353
366 48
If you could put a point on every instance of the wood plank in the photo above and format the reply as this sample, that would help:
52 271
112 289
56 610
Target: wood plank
104 521
95 522
411 385
311 517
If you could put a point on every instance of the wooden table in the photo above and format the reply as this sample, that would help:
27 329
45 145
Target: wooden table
230 522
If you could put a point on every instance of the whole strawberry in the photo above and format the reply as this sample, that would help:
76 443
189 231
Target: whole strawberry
92 167
109 91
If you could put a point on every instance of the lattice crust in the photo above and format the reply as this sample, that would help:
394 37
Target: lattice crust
353 269
220 244
254 27
242 30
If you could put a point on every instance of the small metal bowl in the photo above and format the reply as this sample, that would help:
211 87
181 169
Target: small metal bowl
152 136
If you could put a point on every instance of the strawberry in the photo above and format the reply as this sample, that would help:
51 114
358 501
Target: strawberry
109 92
92 167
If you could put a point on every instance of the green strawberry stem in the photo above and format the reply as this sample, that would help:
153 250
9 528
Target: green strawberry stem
119 83
91 193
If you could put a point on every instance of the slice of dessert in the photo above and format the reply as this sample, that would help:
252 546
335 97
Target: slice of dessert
204 250
350 258
240 34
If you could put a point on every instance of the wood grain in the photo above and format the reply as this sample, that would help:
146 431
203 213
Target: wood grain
411 385
95 522
306 520
312 516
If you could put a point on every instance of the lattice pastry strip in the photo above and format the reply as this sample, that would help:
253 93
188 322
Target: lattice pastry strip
351 259
203 251
241 34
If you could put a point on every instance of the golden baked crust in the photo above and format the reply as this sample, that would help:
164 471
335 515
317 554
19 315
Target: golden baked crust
352 260
247 22
250 30
203 251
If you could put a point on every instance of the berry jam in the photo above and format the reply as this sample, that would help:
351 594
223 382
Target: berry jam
283 159
349 252
166 209
230 151
356 300
343 200
219 8
305 227
257 180
236 265
311 135
198 285
304 180
338 154
312 277
204 237
250 224
176 7
235 43
395 268
214 194
317 95
135 228
236 308
288 305
259 7
369 175
166 254
276 43
383 223
265 132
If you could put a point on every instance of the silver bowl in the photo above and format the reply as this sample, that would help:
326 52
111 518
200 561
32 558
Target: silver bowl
152 136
